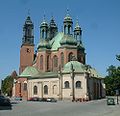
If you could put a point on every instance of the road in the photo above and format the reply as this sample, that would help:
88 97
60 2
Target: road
62 108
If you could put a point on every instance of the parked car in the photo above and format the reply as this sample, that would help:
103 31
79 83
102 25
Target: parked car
34 99
4 101
43 100
51 100
18 98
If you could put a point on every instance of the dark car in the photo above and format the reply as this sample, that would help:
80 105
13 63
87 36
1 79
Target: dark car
43 100
4 101
34 99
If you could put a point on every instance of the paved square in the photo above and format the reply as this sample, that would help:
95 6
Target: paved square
62 108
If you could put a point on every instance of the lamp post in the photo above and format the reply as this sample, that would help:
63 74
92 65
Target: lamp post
72 77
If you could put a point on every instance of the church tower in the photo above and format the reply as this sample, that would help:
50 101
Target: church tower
52 28
80 47
27 47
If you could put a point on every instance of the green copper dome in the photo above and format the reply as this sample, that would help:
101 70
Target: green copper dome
68 40
67 17
77 66
43 44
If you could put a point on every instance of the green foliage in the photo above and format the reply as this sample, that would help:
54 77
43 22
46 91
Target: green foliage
112 81
7 85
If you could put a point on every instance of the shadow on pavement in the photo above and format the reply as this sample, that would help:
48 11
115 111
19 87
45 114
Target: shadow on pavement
5 107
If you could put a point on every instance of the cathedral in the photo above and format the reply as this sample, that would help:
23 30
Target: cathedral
58 68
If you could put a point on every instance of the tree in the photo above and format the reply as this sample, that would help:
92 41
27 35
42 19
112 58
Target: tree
7 85
112 80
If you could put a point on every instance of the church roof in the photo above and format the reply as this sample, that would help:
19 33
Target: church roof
80 68
33 73
29 71
55 42
95 73
77 66
61 39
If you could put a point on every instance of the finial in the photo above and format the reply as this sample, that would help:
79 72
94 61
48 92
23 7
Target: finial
67 11
52 16
77 23
28 12
44 17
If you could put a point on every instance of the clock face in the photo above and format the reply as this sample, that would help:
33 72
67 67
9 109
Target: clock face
28 50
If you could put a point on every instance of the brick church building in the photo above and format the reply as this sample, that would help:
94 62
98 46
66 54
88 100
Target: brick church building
58 69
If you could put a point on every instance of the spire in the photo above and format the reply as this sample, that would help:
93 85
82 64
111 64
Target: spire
52 28
77 32
77 27
67 17
28 37
44 29
68 24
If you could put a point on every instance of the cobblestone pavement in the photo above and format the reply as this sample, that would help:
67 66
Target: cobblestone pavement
62 108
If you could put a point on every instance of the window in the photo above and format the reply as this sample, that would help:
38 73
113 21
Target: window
55 61
69 29
25 87
65 29
62 59
47 62
35 90
67 84
46 89
41 62
55 89
70 56
78 84
42 33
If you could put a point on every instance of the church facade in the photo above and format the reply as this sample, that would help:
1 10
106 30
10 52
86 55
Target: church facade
58 69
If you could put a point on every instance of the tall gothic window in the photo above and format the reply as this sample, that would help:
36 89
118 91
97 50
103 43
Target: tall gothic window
46 89
42 33
41 62
62 59
78 84
35 90
66 84
69 29
25 87
70 56
47 62
55 61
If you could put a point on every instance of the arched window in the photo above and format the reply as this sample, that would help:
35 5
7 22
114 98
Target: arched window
35 90
46 89
55 61
62 59
25 87
55 89
70 56
67 85
78 84
41 62
69 29
65 29
42 33
47 62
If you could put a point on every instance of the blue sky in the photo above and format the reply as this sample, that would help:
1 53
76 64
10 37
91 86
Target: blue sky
99 20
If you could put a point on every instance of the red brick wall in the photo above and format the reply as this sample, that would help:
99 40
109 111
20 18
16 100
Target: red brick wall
26 57
19 88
